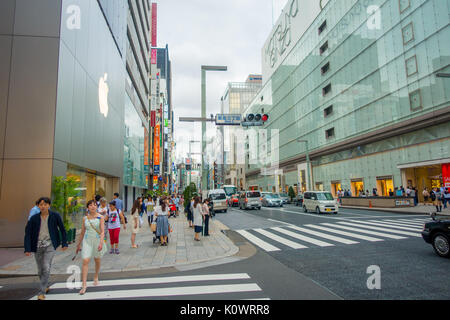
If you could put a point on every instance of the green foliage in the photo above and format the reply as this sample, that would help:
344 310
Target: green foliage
291 193
156 193
66 198
189 192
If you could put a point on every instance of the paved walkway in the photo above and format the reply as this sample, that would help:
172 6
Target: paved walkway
419 209
181 251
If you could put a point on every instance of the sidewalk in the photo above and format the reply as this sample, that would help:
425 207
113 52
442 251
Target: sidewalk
181 250
419 209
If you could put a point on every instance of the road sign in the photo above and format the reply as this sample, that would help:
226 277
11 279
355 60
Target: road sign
228 119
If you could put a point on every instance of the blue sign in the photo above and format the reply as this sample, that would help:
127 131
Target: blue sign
228 119
156 169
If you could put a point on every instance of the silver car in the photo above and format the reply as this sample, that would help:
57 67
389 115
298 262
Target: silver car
272 200
250 200
284 197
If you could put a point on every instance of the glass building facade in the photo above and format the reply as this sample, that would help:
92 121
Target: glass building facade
361 86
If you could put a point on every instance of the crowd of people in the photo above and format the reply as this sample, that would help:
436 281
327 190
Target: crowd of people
45 230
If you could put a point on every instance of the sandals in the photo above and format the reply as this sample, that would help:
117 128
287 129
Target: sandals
83 291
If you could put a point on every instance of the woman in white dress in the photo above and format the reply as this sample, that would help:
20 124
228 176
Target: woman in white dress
198 218
135 222
92 236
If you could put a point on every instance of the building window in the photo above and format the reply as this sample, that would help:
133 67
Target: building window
404 5
408 33
325 68
328 111
411 66
326 90
324 48
384 186
329 133
415 100
323 27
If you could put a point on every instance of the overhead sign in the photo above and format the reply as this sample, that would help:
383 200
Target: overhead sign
228 119
154 24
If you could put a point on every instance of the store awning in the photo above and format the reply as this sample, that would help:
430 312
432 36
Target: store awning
423 163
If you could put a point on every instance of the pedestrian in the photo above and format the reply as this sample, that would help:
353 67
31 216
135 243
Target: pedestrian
150 210
399 192
34 210
115 218
412 194
190 214
119 203
207 215
135 222
97 200
92 235
44 233
434 199
103 211
198 218
162 221
391 193
446 197
438 200
426 195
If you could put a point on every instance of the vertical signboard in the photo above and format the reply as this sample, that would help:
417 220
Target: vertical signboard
154 24
446 174
146 149
156 145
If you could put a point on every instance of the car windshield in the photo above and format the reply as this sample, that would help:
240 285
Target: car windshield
230 190
217 196
325 196
283 195
272 196
253 195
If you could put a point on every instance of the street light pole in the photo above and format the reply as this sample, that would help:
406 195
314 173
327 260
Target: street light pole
204 69
308 162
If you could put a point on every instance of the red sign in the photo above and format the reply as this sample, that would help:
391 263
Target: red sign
446 174
156 154
153 56
146 147
154 24
152 119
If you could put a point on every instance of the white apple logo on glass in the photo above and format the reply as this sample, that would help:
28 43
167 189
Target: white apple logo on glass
103 95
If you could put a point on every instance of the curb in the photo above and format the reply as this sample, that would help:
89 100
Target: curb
388 210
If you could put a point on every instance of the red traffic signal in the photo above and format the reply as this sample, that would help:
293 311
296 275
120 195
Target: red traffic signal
265 117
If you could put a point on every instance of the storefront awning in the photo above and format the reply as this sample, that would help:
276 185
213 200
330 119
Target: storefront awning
423 163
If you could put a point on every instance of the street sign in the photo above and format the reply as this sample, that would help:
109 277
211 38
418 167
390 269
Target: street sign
228 119
156 169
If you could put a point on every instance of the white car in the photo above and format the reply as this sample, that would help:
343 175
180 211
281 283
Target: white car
319 201
218 198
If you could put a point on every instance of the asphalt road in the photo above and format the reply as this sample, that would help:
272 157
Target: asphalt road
388 243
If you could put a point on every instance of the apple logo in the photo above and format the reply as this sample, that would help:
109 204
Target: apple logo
103 95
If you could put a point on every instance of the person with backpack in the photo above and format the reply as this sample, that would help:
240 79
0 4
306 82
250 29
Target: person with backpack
115 218
44 233
426 195
438 200
92 235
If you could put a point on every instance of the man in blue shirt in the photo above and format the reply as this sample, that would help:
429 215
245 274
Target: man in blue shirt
118 201
34 210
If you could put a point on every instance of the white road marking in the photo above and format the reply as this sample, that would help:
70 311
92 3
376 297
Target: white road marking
255 240
159 280
343 233
391 236
324 235
282 240
304 238
388 225
406 222
157 292
280 222
360 224
403 224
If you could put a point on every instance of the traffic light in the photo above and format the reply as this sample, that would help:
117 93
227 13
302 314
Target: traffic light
255 120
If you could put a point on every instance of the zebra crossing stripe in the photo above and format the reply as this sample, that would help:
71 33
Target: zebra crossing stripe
255 240
159 280
157 292
343 233
361 225
303 238
391 236
403 224
324 235
284 241
386 224
406 222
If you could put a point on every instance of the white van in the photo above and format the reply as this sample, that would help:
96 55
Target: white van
319 201
218 199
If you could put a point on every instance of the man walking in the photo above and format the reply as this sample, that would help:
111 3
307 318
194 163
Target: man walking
118 202
42 236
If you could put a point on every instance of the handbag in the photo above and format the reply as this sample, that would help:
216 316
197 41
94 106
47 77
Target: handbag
141 222
153 227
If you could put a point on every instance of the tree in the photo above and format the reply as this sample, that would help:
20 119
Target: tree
291 193
66 198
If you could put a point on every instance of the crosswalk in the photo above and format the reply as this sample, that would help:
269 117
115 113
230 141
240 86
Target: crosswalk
214 286
343 232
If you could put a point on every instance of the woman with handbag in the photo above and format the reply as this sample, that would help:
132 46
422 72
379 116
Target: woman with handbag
198 218
162 222
92 234
135 222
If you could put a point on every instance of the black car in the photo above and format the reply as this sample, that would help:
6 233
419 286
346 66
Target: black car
437 233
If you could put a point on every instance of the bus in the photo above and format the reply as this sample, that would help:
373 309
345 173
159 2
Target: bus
230 190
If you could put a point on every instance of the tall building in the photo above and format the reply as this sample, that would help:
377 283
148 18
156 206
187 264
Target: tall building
137 102
359 81
62 93
237 98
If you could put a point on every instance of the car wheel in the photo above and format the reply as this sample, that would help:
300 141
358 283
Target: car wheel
317 210
304 209
441 245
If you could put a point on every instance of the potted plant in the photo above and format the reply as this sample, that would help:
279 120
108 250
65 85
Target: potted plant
66 201
291 193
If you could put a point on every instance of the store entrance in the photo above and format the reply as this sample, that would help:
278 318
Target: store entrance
423 177
335 187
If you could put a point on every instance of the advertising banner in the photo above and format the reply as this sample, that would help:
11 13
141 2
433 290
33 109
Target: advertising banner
154 24
156 144
446 174
146 149
153 57
153 119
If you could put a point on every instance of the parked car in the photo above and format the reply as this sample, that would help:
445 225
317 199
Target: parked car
437 233
319 201
271 200
250 200
299 200
284 197
218 198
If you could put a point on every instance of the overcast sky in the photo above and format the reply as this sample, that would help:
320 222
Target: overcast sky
210 32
